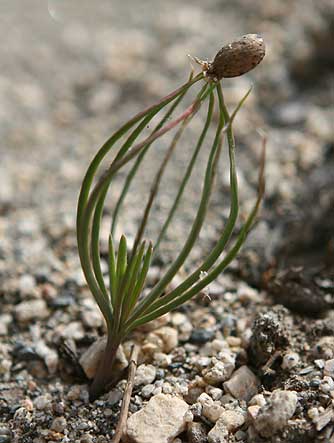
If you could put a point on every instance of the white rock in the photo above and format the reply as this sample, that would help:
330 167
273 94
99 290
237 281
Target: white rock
232 420
211 410
167 388
215 393
327 385
31 310
160 421
162 360
329 368
221 369
275 414
91 358
27 284
218 433
183 325
253 411
243 384
5 320
145 375
233 342
42 402
5 365
147 391
324 348
49 356
290 360
169 338
73 330
258 399
92 318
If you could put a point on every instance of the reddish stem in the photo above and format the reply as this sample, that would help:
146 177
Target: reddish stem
104 375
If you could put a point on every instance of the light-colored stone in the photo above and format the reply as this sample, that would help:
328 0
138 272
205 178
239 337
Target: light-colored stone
243 384
324 348
290 360
258 399
5 320
329 368
253 411
169 338
145 375
218 433
211 410
49 356
27 284
215 393
27 311
92 318
233 342
74 330
42 402
147 391
220 370
327 385
183 325
162 360
59 424
160 421
275 414
91 358
232 420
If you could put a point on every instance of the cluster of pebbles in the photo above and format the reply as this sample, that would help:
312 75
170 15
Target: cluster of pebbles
234 365
228 367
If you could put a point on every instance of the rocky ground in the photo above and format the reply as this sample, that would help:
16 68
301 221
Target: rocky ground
253 360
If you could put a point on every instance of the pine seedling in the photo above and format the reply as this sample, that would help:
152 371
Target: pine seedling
122 301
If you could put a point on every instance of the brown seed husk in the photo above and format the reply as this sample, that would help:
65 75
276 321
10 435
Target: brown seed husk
237 58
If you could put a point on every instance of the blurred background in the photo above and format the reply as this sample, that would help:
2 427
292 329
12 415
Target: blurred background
72 71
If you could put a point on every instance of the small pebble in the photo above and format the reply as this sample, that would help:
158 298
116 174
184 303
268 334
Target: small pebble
59 424
232 420
220 370
42 402
114 396
169 337
161 420
275 414
329 368
243 384
27 311
201 336
218 433
211 409
327 385
290 360
145 375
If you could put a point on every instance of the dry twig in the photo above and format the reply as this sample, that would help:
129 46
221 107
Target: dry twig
127 395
